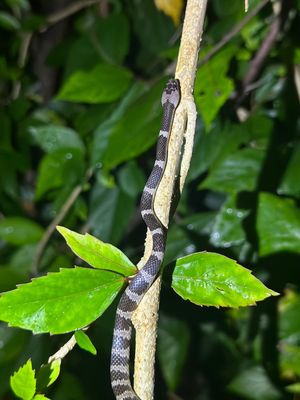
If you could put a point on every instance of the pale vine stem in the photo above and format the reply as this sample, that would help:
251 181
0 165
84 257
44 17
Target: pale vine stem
145 317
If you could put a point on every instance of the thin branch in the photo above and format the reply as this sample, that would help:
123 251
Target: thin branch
261 55
230 35
64 350
68 12
56 221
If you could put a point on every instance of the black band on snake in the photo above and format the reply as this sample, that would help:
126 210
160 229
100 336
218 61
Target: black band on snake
120 375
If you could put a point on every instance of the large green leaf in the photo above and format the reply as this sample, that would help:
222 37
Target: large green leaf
60 302
227 230
52 138
112 34
103 84
278 225
212 86
173 342
137 130
19 230
254 384
110 212
97 253
63 167
105 129
23 382
210 279
236 172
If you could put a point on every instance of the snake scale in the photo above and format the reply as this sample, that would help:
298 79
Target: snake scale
138 286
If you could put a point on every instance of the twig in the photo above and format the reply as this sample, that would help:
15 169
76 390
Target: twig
56 221
261 55
64 350
67 12
230 35
145 317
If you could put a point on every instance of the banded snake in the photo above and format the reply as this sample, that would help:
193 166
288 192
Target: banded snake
139 285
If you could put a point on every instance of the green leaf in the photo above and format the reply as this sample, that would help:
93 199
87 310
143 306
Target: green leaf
84 342
103 84
278 225
293 388
289 334
110 212
52 138
236 172
105 129
290 184
60 302
63 167
8 21
132 179
254 384
212 86
137 130
40 397
97 253
47 375
18 231
173 342
227 230
210 279
112 35
23 382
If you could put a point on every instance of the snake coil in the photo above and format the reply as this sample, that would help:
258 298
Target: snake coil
138 286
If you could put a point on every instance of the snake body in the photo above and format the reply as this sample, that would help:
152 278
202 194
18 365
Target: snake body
138 286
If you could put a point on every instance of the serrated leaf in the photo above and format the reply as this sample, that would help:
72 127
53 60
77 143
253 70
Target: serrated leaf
173 342
103 84
97 253
19 230
211 279
60 302
52 138
85 342
278 225
47 374
236 172
23 382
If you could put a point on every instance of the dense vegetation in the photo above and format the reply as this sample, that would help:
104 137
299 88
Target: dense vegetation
81 111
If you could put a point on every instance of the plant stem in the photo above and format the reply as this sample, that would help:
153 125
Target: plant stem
145 317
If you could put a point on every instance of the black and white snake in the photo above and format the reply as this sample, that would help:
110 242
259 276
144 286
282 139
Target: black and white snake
120 376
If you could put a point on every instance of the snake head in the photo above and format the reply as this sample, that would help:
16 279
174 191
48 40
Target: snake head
171 93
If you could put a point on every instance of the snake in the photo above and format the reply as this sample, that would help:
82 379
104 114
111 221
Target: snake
142 281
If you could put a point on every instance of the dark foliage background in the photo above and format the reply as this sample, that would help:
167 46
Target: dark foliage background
80 116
